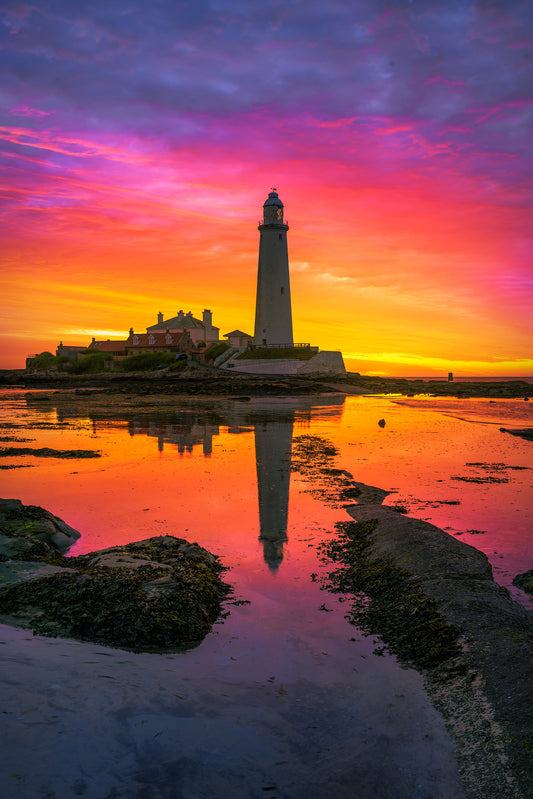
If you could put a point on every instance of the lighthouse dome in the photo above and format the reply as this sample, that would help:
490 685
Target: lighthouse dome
273 199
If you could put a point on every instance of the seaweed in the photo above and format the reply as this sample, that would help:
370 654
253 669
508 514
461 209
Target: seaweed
386 600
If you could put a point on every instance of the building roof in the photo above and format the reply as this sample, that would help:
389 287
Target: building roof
180 322
237 333
164 338
273 199
107 346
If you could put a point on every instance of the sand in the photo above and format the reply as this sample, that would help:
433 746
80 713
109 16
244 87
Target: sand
84 720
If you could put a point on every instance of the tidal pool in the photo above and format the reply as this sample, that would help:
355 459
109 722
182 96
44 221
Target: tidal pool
219 471
284 698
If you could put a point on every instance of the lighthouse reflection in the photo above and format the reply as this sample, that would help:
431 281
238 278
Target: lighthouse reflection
273 445
193 431
273 434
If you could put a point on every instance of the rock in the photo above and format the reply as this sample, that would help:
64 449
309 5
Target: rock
525 581
163 593
526 433
382 423
30 532
47 452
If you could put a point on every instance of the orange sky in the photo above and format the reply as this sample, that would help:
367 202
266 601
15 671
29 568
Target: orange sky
410 220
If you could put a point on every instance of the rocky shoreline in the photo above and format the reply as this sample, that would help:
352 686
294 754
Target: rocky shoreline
434 603
208 382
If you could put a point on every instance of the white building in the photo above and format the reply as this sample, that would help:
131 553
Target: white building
273 312
237 339
200 330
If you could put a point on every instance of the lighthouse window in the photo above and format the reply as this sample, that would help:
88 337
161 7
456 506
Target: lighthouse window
280 236
282 290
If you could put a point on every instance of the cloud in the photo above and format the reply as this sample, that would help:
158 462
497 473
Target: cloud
400 139
26 111
113 334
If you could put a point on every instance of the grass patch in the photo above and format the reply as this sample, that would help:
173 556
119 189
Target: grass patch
215 350
146 361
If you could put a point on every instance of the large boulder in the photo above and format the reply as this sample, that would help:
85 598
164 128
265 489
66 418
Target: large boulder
163 593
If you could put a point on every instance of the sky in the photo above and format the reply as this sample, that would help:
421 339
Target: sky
138 143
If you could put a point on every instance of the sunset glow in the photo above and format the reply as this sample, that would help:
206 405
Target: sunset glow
138 145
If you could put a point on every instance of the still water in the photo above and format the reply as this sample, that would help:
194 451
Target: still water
284 696
218 472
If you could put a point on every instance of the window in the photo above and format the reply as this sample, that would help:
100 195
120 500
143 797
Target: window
282 290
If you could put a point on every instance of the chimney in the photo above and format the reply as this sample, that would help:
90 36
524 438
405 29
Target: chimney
207 318
180 315
131 331
159 318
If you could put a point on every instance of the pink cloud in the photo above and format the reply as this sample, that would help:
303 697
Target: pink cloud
26 111
486 113
80 147
441 79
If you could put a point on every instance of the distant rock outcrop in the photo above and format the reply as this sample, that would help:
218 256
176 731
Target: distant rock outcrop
525 581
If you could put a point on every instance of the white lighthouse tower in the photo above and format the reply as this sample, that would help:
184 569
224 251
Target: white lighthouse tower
273 313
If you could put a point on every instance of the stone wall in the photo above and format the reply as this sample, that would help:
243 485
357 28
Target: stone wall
321 363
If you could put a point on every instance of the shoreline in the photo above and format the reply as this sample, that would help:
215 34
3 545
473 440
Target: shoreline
436 606
484 688
211 382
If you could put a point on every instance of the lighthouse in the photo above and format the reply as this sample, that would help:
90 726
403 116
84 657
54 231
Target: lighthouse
273 313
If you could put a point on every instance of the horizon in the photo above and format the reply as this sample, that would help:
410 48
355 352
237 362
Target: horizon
137 150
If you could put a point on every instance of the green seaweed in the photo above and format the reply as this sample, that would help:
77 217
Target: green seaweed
386 600
168 604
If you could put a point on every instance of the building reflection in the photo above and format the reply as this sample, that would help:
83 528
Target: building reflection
184 435
273 445
189 430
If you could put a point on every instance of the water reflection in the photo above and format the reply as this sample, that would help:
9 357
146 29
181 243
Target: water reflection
273 445
184 435
156 473
189 428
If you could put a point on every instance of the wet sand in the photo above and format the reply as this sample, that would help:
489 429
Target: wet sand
84 720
